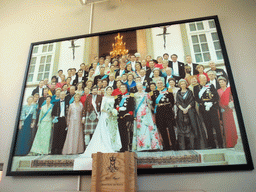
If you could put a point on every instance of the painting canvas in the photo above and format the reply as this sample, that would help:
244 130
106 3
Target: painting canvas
164 91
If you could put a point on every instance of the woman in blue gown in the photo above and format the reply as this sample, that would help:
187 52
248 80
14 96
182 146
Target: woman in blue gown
27 122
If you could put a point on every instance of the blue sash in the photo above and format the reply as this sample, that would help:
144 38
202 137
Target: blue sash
43 103
46 113
136 110
71 100
122 101
159 98
201 92
184 96
105 76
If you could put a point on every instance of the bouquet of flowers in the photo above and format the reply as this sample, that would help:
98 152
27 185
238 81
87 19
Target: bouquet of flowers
114 112
111 110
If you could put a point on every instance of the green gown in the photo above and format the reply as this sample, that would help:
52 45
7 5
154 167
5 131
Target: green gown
41 144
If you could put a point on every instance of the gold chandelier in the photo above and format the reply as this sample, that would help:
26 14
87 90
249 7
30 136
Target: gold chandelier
118 47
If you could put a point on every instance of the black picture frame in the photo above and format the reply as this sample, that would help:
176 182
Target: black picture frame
175 168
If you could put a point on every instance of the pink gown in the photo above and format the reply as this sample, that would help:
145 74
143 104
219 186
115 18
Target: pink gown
74 143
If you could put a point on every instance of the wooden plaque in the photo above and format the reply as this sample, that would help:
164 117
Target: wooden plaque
114 172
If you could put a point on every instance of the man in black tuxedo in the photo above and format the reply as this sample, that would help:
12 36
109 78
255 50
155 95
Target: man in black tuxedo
59 113
112 81
121 71
101 75
39 89
178 68
213 79
124 104
85 69
80 78
206 95
192 65
150 71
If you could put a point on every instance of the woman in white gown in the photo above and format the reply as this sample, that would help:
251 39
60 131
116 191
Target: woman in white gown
106 138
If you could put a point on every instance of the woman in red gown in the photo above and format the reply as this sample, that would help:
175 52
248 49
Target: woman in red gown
227 105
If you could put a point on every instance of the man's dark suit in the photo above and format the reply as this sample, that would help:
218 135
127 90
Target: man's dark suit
125 121
118 73
36 90
165 117
217 84
59 132
86 73
210 117
195 72
148 72
84 79
181 67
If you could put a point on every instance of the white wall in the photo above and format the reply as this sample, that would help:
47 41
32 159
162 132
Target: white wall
66 55
26 21
173 42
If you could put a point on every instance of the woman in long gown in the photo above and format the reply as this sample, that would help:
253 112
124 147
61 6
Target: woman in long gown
188 121
194 83
74 143
106 137
41 144
27 123
227 106
35 104
145 134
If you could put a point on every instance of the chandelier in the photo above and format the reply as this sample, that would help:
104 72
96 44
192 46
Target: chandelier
118 47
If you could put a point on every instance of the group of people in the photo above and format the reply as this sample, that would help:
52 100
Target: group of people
129 103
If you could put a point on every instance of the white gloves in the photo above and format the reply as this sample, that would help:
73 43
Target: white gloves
231 105
122 108
208 106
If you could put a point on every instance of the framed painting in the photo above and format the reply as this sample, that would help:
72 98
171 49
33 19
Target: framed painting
165 91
